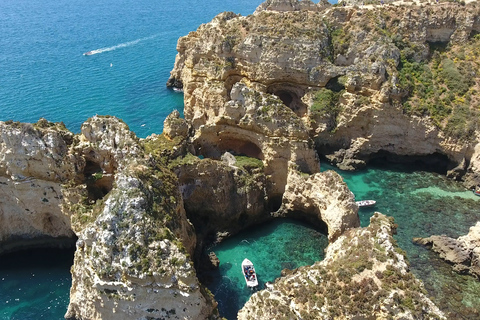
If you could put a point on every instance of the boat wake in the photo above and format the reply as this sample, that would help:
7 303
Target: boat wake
118 46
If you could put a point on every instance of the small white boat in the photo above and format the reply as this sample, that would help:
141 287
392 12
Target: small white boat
249 273
365 203
88 53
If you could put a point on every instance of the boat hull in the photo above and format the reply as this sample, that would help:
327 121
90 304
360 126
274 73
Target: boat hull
249 273
365 203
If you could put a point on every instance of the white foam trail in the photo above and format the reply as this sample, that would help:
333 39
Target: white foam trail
118 46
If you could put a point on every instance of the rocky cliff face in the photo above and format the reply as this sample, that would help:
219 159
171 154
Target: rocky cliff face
353 78
132 258
34 162
363 275
134 240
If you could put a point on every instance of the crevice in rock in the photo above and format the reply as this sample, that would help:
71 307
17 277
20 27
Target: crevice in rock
290 95
230 82
97 177
224 143
274 203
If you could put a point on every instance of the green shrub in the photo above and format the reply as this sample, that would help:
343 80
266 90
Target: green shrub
325 104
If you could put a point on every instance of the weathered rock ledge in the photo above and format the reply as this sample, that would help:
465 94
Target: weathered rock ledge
463 253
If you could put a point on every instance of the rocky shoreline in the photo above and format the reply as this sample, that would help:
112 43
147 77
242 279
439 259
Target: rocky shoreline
265 95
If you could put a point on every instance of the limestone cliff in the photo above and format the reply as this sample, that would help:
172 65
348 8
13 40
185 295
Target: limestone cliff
463 253
134 248
364 275
34 162
361 82
132 259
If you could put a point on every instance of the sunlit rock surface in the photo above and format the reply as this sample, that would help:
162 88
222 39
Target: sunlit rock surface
291 51
463 253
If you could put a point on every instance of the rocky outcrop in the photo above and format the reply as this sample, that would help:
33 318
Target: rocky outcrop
259 126
363 275
34 163
132 258
134 240
322 197
174 126
359 55
463 253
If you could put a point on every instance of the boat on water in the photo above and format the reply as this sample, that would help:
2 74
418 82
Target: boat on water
477 191
249 273
366 203
88 53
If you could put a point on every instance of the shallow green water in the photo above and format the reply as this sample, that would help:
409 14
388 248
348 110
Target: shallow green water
281 244
424 204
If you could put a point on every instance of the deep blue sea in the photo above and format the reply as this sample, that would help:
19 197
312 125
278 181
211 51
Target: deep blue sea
43 73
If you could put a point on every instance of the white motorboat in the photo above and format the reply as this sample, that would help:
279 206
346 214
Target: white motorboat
366 203
249 273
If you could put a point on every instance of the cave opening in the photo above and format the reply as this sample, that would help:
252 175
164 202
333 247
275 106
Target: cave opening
99 182
235 146
436 162
334 85
290 96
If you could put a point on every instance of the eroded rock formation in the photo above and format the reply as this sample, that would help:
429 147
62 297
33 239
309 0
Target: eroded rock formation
363 275
134 240
321 197
292 51
34 162
463 252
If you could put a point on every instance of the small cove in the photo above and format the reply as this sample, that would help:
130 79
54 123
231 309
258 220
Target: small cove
423 204
272 247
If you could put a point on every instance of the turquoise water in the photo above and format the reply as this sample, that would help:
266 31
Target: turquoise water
424 204
35 284
45 74
281 244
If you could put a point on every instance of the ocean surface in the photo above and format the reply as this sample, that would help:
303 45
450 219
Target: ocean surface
44 73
